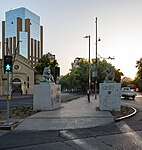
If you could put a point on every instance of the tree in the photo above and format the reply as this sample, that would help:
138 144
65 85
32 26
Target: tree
45 61
126 81
78 76
64 81
118 75
139 66
138 79
101 69
138 82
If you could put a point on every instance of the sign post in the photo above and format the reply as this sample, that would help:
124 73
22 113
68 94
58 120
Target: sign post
7 69
8 102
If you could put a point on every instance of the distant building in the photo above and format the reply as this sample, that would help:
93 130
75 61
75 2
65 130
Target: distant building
51 56
22 37
22 76
22 28
75 63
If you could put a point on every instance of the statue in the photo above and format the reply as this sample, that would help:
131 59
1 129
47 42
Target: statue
47 76
110 75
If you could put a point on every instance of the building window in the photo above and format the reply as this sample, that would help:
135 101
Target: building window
16 67
27 85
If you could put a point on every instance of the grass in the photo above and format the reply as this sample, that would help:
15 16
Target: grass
21 112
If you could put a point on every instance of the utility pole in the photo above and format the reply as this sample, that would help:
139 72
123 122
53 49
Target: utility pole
89 72
96 62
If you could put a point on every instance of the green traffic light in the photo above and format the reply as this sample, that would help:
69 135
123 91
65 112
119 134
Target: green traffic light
8 67
8 63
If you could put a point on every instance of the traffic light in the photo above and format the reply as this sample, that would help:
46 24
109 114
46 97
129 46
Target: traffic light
7 63
57 71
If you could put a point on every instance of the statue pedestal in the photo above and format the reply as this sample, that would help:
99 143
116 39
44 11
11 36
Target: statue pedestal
46 96
110 96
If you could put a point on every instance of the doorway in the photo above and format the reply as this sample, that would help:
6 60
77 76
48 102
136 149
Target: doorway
16 86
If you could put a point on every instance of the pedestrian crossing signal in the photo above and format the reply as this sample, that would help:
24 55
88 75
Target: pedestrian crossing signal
7 63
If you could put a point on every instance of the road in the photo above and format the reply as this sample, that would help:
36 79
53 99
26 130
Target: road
16 101
126 134
27 100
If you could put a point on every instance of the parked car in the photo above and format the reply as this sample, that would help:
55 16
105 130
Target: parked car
127 93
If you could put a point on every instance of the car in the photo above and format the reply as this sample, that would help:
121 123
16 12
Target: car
127 93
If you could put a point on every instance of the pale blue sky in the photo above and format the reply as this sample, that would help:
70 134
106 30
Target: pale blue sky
66 22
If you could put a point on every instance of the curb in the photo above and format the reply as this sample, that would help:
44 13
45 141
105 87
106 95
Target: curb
10 126
124 117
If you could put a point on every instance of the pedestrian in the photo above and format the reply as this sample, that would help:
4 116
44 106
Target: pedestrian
26 92
88 95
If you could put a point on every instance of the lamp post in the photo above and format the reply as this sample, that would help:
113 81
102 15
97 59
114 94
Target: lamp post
89 72
96 60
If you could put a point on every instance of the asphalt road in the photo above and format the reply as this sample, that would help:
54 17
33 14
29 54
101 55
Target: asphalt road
16 101
126 134
27 100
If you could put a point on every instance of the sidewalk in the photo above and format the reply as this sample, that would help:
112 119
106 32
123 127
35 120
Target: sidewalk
74 114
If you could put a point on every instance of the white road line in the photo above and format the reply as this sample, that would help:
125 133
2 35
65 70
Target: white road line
77 141
132 135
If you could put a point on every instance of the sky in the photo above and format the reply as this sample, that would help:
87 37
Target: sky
66 22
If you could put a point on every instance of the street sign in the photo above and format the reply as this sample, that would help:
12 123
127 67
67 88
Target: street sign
94 74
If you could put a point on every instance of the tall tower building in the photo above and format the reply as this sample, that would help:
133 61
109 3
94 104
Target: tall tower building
22 33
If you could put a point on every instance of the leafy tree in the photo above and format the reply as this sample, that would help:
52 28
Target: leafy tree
138 79
64 81
126 81
138 82
45 61
139 66
78 76
101 69
118 75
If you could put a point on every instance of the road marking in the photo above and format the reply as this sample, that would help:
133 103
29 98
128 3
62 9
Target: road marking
132 135
74 138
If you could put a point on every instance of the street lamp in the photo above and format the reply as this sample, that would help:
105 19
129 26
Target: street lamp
106 57
96 60
89 72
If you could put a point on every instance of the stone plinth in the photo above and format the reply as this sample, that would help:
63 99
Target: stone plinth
110 96
46 96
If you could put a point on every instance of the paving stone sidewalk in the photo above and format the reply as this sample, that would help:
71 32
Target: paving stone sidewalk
72 115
